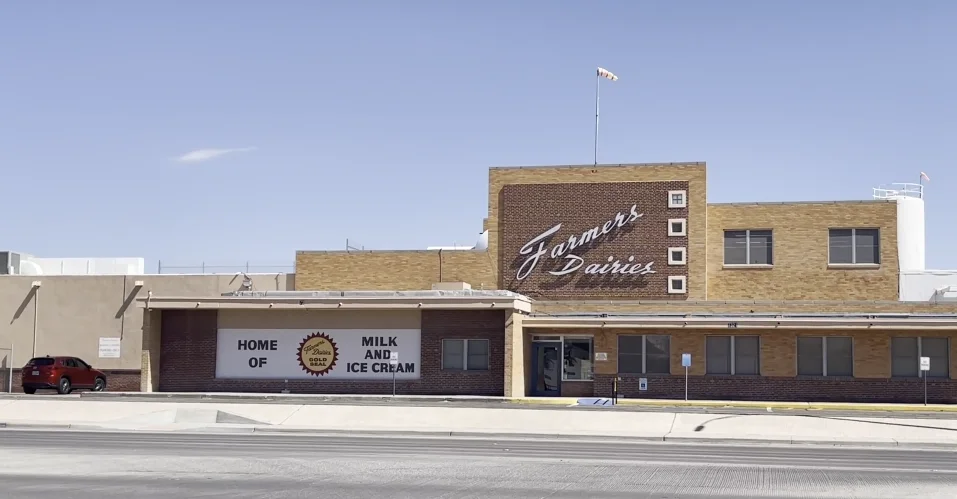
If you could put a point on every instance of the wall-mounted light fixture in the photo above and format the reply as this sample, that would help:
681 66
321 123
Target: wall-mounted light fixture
36 284
137 284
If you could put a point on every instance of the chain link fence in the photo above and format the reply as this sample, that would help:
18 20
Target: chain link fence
210 268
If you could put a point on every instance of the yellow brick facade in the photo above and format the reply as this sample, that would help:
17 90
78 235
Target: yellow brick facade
800 244
391 270
800 269
800 281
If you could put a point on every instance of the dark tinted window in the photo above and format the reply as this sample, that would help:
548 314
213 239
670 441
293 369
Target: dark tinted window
83 365
42 361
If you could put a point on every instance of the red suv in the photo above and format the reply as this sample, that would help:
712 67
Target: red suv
62 374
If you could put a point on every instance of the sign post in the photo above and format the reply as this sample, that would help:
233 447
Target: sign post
393 364
924 369
686 363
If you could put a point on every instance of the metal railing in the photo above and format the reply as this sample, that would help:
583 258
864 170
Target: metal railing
208 268
902 190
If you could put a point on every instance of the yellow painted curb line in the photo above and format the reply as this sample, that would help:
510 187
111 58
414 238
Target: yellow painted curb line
791 405
545 401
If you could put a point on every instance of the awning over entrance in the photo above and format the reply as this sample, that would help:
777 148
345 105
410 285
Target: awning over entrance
745 321
345 300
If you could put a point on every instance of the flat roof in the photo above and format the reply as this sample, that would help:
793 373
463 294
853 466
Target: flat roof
346 300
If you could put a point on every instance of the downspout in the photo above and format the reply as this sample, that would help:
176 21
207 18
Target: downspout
36 316
440 265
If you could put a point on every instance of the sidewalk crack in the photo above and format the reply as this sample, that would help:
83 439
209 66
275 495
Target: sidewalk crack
293 413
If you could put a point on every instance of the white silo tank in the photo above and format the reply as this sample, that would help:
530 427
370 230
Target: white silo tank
482 243
910 233
910 223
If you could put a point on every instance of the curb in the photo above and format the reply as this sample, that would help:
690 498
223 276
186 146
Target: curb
807 406
725 441
518 402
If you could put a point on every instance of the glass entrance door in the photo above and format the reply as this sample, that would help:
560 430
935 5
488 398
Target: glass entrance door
546 369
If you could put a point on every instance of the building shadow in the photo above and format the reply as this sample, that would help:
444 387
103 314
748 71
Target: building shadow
126 303
702 426
23 305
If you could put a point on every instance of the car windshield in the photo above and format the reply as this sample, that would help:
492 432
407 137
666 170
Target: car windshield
42 361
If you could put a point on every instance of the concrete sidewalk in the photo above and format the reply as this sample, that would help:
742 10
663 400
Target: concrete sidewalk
304 398
466 421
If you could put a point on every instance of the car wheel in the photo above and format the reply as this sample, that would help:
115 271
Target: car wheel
99 385
64 387
29 391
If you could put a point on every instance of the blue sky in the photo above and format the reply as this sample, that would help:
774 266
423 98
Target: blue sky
377 120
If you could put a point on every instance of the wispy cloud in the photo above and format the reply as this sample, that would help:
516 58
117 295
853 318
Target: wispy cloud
201 155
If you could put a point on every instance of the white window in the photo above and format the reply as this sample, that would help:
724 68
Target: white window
677 284
676 256
825 356
677 227
677 199
465 355
732 355
644 354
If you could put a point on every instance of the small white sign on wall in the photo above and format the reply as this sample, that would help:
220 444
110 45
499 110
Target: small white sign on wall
643 384
109 348
601 356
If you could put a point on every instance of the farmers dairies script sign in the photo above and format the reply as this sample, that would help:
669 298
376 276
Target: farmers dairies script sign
565 251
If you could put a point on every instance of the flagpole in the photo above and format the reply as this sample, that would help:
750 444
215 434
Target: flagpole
597 88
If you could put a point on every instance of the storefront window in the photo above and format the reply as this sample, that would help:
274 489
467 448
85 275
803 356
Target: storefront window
578 359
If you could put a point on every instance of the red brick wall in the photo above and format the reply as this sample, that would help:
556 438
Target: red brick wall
188 359
786 389
126 380
528 210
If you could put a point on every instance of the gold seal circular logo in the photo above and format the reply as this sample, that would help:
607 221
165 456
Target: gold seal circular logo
318 354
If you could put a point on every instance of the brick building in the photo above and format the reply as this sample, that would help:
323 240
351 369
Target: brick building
588 279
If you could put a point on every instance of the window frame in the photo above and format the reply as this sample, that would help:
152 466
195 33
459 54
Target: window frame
684 285
824 340
731 353
747 248
644 354
684 255
854 263
684 199
920 351
684 227
560 340
465 355
589 376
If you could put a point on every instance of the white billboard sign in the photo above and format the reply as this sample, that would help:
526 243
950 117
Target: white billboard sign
361 354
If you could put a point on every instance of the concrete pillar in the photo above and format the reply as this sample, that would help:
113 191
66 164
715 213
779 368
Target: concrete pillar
514 356
150 360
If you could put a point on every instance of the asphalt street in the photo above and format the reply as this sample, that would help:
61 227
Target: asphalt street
500 404
108 465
